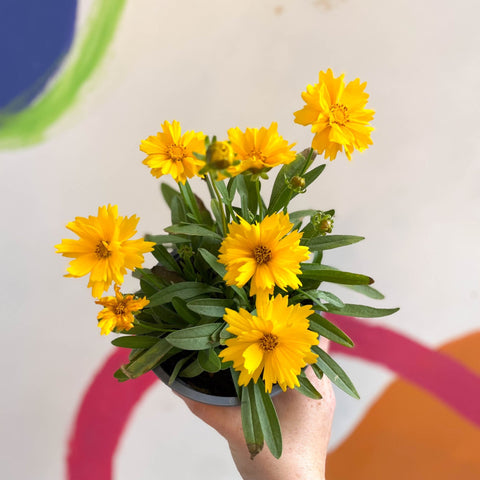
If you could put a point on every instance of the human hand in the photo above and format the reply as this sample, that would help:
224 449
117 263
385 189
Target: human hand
305 424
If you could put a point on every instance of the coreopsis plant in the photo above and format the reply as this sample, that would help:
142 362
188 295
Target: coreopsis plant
239 288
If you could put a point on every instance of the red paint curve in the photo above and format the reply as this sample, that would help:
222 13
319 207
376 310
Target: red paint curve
444 377
101 420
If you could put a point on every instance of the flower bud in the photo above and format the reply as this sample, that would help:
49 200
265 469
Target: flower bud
297 182
220 155
322 223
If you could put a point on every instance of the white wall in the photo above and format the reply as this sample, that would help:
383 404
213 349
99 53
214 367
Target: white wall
213 65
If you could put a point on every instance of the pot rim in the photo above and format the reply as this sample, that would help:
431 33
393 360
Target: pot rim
188 391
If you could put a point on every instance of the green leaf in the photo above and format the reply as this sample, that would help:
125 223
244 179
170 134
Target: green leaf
169 193
327 274
363 311
280 184
183 290
318 371
225 334
137 341
199 337
210 307
252 429
192 370
148 360
161 239
163 315
213 262
165 258
209 361
248 195
137 329
317 296
282 200
178 213
281 193
369 292
299 215
330 298
313 174
177 368
306 388
268 419
328 330
150 327
192 229
332 241
334 372
242 294
146 275
182 309
120 376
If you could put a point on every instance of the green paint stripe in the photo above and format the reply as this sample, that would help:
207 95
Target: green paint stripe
29 126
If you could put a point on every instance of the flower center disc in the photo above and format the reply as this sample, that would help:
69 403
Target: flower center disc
339 114
256 156
102 251
175 152
268 342
120 308
262 254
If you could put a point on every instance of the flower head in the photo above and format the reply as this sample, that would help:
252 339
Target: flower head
220 155
337 115
268 253
118 311
172 153
259 149
276 341
104 250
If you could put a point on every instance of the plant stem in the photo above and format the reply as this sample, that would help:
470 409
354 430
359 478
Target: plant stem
259 199
219 198
304 169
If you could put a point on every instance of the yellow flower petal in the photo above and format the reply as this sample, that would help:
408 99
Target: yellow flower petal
171 153
267 253
118 311
276 343
259 149
337 114
104 250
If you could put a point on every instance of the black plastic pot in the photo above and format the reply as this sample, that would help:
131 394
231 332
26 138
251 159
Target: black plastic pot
189 391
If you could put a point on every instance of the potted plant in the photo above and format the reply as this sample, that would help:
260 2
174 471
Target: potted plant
233 308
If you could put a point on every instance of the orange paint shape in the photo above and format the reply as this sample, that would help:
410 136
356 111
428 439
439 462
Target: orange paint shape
409 435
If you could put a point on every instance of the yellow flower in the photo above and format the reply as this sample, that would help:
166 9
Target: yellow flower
265 252
337 114
118 311
276 342
104 249
172 153
259 149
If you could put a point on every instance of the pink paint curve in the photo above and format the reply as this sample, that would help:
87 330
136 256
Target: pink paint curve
442 376
101 420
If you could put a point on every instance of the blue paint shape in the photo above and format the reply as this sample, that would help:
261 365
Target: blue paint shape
35 36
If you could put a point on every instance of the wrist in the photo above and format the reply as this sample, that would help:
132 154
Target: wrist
290 466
